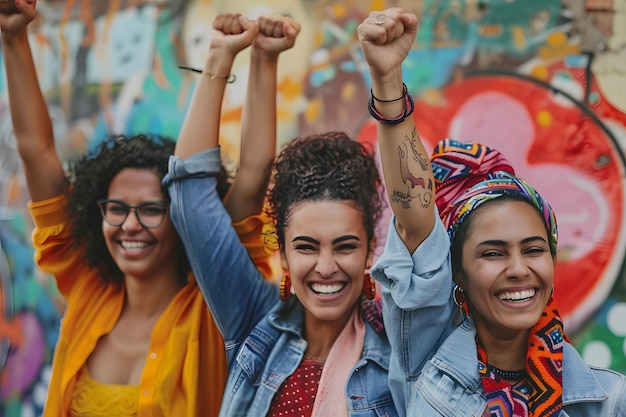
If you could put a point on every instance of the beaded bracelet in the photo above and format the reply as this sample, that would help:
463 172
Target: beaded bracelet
404 93
409 106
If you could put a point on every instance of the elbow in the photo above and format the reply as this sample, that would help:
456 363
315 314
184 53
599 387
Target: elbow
413 234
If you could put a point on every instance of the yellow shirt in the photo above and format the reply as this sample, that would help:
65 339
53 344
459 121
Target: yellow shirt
185 370
95 399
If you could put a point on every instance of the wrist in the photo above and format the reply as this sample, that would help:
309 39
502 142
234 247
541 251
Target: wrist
388 86
219 64
263 57
13 38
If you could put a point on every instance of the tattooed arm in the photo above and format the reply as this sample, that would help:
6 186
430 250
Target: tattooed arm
414 269
406 167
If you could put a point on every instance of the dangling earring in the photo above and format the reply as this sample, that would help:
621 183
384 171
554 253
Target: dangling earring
458 295
369 287
285 286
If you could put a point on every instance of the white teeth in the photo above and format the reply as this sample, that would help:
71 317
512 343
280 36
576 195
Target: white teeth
133 244
327 288
517 295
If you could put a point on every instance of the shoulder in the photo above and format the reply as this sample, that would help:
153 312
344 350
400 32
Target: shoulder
591 385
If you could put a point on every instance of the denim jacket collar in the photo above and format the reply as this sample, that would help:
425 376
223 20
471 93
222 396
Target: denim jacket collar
289 317
579 383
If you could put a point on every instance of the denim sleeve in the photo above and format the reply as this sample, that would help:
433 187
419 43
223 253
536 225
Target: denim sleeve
234 289
417 305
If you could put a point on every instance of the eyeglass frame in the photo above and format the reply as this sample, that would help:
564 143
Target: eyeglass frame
102 203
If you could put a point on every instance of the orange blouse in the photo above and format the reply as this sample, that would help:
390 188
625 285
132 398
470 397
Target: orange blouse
185 371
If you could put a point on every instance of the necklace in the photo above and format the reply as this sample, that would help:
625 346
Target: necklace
508 375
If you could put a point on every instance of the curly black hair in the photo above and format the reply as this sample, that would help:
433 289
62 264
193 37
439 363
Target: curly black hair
91 176
324 167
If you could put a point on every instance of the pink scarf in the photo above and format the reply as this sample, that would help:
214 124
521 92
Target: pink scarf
330 400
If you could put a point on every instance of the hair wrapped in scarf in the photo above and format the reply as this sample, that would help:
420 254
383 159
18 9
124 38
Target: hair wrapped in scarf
466 176
470 174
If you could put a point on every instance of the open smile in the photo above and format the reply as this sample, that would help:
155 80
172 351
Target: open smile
518 296
134 248
327 289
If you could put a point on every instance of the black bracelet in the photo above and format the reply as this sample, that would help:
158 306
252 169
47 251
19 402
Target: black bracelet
229 78
404 93
409 106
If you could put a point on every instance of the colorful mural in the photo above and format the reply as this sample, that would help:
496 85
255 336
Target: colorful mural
518 75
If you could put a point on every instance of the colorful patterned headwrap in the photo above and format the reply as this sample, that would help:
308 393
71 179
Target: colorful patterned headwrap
470 174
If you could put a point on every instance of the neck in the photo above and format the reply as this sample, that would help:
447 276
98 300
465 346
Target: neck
507 354
149 298
321 335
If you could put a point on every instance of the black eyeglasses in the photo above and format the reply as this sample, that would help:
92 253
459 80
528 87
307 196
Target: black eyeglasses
150 214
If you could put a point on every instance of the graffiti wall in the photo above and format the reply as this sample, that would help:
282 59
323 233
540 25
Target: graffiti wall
544 81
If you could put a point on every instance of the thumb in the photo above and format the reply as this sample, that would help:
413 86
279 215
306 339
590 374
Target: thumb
248 25
27 7
410 22
291 30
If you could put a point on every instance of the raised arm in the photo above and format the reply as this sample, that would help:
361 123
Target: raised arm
414 269
386 39
200 130
232 286
31 122
276 34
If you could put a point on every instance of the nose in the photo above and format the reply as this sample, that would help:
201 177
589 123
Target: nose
326 264
518 267
132 222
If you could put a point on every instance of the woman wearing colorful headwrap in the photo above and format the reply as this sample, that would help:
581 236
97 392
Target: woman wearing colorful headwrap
509 356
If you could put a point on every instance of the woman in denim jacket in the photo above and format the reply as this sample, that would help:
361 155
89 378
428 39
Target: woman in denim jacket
321 350
515 358
509 356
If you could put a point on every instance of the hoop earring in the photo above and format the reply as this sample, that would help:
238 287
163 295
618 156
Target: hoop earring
458 295
369 287
285 287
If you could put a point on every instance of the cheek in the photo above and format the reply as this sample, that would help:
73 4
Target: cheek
547 272
167 235
354 266
299 265
107 232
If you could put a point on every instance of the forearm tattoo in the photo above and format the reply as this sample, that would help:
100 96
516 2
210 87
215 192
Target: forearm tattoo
414 168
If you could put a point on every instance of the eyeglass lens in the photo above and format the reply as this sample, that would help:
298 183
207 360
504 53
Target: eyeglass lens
149 214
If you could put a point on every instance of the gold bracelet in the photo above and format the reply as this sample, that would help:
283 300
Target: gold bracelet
229 78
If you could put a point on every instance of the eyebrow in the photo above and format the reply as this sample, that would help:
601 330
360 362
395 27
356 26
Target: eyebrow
496 242
334 242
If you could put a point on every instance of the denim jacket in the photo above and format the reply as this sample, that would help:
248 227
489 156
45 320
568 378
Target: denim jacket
417 304
450 385
263 335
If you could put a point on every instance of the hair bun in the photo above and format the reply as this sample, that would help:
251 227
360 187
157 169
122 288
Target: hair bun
458 166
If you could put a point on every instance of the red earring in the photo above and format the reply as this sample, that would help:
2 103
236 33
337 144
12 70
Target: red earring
285 286
369 287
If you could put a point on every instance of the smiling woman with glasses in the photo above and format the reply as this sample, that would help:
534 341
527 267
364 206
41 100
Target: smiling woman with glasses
137 337
150 214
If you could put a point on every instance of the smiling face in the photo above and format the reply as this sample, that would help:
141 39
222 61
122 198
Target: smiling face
140 252
326 252
507 270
